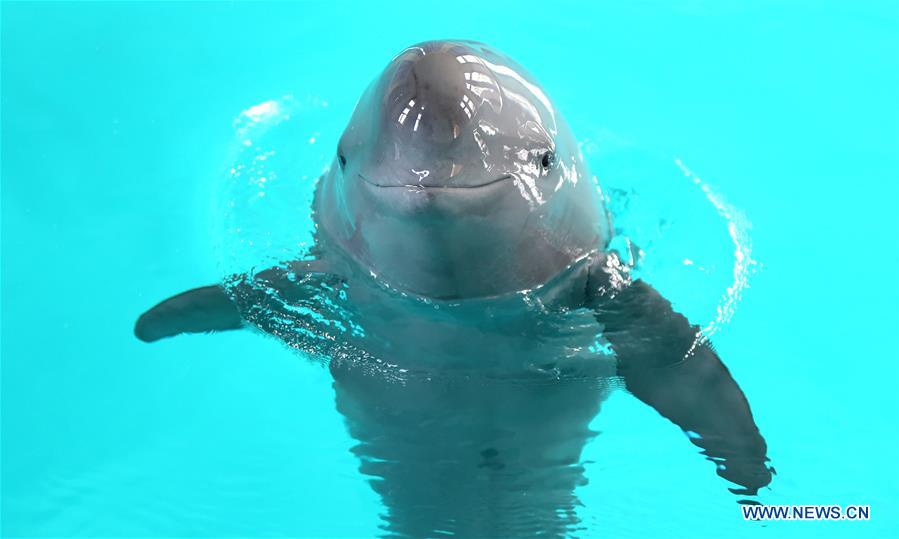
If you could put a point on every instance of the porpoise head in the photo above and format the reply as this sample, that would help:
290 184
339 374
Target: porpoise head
456 177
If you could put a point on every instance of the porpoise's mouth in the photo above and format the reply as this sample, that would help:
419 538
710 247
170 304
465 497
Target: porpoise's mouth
430 187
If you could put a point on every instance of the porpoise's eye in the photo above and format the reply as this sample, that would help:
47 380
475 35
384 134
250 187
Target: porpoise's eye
548 159
342 160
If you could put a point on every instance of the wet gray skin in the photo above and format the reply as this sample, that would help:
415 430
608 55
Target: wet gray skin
457 178
461 230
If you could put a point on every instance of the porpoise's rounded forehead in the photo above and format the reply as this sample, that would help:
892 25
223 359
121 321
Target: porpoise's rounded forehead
467 78
450 112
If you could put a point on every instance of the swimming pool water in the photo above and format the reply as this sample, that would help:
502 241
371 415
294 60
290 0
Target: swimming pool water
116 134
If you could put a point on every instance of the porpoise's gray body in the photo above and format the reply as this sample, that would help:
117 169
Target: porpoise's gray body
468 237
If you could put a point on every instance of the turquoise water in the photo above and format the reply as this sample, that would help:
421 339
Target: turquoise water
117 134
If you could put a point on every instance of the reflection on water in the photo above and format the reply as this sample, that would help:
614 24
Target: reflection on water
478 458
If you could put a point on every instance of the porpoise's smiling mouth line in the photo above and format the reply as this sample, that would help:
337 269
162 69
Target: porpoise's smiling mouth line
420 187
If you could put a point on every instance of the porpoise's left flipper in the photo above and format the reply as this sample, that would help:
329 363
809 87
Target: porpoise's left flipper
665 364
200 310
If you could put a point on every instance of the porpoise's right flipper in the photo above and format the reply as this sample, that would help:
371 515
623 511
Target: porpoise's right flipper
211 308
200 310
